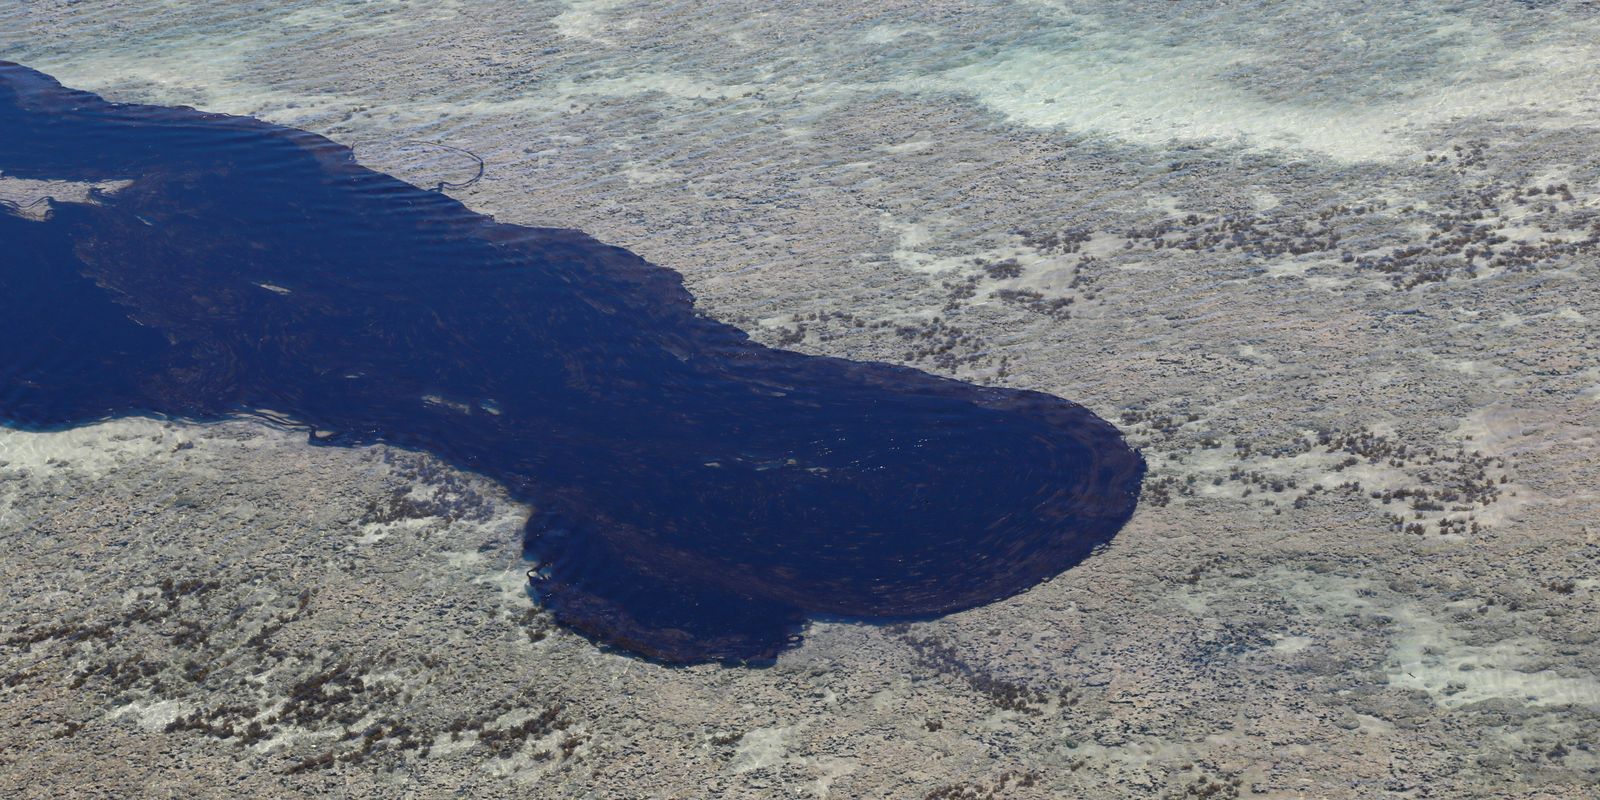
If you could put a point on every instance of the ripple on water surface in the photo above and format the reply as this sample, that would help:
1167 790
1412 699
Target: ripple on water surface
699 495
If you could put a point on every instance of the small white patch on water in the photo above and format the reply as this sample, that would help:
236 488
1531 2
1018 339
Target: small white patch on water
28 196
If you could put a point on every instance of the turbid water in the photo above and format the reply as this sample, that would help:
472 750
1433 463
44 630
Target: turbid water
698 495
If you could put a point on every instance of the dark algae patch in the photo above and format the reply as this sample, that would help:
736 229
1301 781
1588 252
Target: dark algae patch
698 495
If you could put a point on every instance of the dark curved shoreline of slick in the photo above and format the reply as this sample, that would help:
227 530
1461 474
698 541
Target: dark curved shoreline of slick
698 495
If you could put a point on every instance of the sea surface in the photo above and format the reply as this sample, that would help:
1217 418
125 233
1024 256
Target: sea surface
1331 268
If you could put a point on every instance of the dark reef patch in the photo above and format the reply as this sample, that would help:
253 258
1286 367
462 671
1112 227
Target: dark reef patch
699 494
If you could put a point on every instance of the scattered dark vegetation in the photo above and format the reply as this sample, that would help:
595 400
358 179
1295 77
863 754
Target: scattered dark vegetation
219 722
1003 270
1451 481
393 737
1201 569
1000 787
65 631
827 325
1566 586
1084 274
1206 787
172 642
386 735
934 342
1057 243
324 697
1227 640
1469 232
453 498
940 343
505 742
258 640
1036 302
1444 485
1003 694
161 607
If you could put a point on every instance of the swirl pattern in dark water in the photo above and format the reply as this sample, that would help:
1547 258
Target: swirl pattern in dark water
698 495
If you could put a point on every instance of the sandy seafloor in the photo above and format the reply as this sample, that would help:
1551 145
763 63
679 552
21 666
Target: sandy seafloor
1331 264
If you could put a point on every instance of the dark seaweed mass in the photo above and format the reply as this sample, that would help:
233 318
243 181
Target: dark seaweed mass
698 495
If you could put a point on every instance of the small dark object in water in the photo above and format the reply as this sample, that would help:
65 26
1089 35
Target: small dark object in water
698 495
